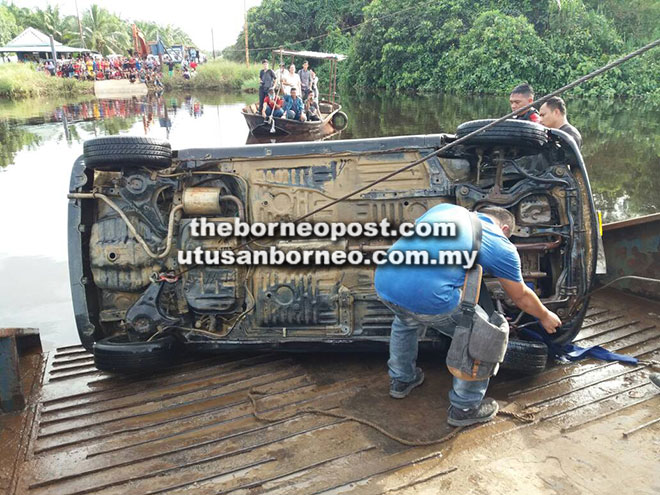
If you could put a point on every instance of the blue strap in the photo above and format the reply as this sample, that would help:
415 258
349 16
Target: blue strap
571 352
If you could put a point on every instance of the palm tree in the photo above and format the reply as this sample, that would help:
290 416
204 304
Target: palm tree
104 32
50 21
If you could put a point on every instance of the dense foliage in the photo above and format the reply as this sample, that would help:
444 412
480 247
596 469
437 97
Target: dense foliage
221 75
480 46
101 29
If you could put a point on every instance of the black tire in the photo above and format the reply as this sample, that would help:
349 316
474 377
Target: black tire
524 135
115 153
340 121
525 357
117 354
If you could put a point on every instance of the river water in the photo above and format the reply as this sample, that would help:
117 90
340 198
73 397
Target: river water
40 139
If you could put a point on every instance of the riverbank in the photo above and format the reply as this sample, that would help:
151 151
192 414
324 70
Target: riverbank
217 75
23 81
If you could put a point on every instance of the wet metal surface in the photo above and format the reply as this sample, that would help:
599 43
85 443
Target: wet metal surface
632 247
191 429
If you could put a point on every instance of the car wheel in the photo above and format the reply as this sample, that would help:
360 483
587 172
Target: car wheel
525 357
524 135
119 355
115 153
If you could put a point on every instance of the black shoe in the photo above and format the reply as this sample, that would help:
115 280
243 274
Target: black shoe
399 389
482 414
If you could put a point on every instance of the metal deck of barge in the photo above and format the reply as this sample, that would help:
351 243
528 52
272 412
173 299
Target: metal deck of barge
191 429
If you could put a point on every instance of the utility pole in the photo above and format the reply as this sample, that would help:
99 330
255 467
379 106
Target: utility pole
82 40
213 43
247 53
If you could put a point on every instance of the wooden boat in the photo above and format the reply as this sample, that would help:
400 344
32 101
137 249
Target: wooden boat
333 119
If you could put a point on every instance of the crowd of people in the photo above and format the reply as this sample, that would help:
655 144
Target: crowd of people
136 69
289 94
89 68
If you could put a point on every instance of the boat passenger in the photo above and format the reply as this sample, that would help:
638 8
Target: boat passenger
272 105
305 80
293 106
553 115
523 95
291 80
312 108
266 81
315 84
280 75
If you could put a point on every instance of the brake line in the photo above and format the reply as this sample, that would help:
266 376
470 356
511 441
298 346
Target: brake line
130 226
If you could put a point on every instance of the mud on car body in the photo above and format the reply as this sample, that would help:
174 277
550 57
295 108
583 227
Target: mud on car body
132 201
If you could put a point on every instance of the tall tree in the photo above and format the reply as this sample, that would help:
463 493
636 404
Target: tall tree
105 32
51 21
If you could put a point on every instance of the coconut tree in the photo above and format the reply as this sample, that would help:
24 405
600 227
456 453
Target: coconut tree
51 21
104 32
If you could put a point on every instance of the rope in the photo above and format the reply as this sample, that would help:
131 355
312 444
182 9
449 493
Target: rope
525 417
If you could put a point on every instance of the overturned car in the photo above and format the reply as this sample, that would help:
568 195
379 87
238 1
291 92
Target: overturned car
134 204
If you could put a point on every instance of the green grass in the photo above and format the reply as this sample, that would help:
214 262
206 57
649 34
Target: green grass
221 75
18 80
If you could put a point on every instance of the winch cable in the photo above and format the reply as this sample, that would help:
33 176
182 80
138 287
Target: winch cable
467 137
458 141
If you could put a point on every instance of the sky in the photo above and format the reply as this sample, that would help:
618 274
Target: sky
196 17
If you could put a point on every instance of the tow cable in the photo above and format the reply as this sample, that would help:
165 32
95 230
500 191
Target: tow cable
461 140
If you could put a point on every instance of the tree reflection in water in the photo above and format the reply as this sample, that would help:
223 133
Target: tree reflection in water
621 137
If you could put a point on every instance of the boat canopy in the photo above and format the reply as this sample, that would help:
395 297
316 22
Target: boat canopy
309 54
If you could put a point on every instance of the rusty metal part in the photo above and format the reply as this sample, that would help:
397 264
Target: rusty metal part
145 246
539 246
191 426
201 201
631 248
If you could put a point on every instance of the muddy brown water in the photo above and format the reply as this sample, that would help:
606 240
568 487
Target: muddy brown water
39 140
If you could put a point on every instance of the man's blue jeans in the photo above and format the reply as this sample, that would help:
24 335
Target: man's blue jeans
406 329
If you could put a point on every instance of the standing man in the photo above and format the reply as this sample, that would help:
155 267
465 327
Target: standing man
424 296
266 81
305 80
553 115
523 95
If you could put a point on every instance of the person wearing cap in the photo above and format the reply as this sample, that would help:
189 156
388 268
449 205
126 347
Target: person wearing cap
272 105
266 81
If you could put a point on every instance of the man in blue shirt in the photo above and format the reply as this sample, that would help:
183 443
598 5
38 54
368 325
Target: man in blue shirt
429 295
293 106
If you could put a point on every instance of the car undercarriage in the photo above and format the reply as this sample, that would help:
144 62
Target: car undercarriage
131 210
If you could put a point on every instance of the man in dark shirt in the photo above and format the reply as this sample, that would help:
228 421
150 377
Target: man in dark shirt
266 81
523 95
553 115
